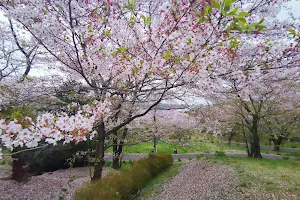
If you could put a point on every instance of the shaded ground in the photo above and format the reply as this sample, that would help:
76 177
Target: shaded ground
60 184
203 180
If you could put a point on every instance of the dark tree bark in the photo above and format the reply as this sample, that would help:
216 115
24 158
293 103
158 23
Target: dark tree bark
99 157
246 141
19 169
230 137
255 144
154 143
277 141
118 149
155 132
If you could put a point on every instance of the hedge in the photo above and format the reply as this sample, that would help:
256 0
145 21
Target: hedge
53 158
122 185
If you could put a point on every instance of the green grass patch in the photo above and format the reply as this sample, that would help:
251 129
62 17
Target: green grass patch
124 184
191 147
147 147
279 177
196 147
292 144
156 185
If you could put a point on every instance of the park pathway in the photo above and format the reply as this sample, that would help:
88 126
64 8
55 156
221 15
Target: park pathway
203 180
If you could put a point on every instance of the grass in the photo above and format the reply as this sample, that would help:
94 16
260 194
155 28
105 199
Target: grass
280 178
191 147
196 147
147 147
156 185
292 144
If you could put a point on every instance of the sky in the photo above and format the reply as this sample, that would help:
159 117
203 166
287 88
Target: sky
295 9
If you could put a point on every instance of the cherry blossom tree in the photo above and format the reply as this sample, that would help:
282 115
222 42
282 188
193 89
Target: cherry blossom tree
17 51
128 54
281 125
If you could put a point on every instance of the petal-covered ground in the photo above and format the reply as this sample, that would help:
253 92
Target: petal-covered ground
203 180
60 184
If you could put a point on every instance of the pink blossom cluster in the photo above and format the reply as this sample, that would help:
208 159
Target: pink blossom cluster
51 128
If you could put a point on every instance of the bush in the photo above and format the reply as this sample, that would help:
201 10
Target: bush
52 158
220 153
285 157
125 183
199 156
108 163
130 162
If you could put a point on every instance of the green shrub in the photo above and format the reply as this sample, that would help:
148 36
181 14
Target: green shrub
285 157
179 159
220 153
199 156
108 164
125 183
130 162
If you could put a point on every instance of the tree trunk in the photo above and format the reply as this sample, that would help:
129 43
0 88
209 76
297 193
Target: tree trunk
155 132
19 169
118 149
230 137
277 142
99 157
154 144
115 160
255 146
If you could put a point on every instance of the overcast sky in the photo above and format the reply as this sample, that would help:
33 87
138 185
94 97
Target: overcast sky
294 7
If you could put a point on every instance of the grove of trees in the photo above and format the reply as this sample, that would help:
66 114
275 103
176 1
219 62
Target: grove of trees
122 58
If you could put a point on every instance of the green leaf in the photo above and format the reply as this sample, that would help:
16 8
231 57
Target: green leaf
261 21
202 19
227 5
261 27
293 32
233 12
167 55
188 57
133 3
241 21
243 14
147 20
189 41
208 10
121 50
107 33
132 20
176 60
216 4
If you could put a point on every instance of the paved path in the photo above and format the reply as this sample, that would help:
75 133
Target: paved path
194 155
288 149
